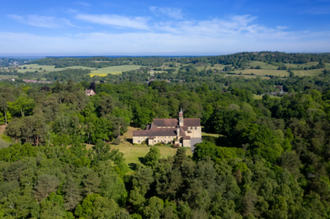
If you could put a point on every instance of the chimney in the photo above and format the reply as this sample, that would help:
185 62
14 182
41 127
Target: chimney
178 132
181 118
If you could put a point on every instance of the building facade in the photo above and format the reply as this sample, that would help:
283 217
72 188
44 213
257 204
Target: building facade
186 132
90 92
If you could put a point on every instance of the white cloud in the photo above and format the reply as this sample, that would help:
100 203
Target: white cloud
235 26
175 13
42 21
186 37
115 20
83 4
149 43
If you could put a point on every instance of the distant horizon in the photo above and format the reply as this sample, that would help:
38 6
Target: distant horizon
171 28
142 55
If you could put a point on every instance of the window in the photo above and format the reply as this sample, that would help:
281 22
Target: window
195 128
139 141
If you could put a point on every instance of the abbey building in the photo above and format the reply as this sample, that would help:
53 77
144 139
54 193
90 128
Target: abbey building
186 132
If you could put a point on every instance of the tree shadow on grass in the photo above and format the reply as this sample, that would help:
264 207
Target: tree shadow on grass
141 159
133 166
130 140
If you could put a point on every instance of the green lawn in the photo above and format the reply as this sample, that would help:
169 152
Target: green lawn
3 143
132 153
263 72
8 76
209 66
211 135
114 70
305 65
263 65
246 76
259 97
313 72
94 71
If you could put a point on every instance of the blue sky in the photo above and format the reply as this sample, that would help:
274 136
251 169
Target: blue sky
40 27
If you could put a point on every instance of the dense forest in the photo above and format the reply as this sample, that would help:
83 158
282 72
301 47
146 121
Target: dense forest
238 60
271 159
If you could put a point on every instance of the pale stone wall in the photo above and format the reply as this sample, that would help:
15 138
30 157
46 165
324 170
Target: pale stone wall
196 131
164 139
139 139
186 143
151 142
157 139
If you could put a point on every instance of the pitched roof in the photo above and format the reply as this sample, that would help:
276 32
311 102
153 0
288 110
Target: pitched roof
165 122
192 122
156 132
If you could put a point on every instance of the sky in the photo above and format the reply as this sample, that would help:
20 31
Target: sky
143 27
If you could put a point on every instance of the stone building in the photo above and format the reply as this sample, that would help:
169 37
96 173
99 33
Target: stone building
90 92
186 132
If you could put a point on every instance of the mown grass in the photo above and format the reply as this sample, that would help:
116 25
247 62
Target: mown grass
3 143
209 66
313 72
305 65
259 97
263 65
264 72
247 76
46 68
8 76
133 153
211 135
114 70
94 71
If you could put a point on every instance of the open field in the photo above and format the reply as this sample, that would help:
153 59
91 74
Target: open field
47 68
132 153
3 143
114 70
313 72
263 65
211 135
216 66
263 72
305 65
94 71
8 76
259 97
247 76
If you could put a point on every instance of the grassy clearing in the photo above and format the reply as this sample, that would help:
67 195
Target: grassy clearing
313 72
209 66
114 70
263 65
305 65
248 76
8 76
263 72
259 97
132 153
94 71
3 143
211 135
46 68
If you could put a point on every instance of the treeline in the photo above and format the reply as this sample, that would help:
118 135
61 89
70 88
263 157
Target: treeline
238 60
271 159
75 75
100 62
242 60
63 115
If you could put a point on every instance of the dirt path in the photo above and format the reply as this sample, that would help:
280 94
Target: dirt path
2 129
